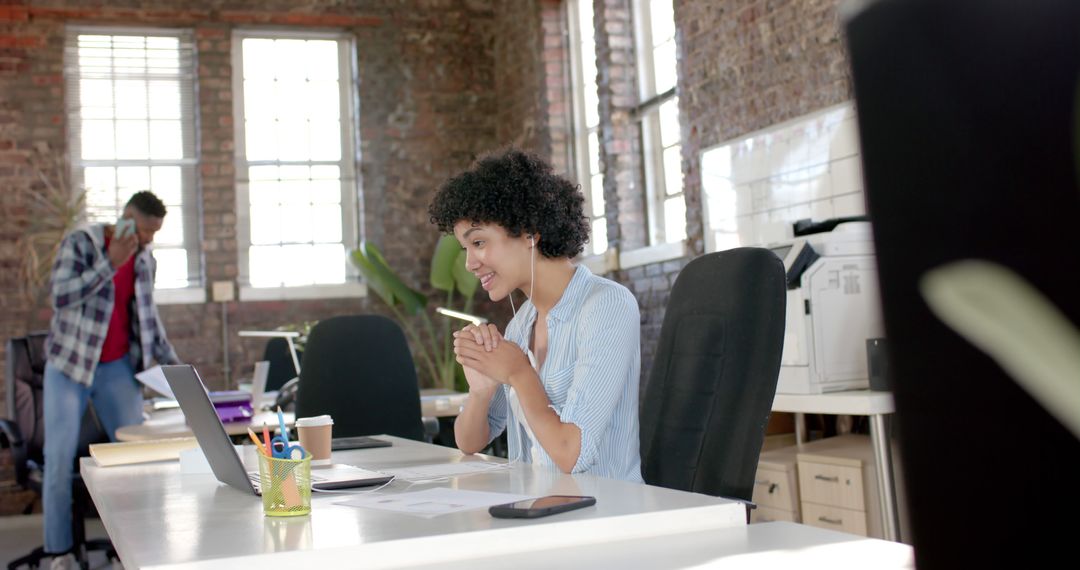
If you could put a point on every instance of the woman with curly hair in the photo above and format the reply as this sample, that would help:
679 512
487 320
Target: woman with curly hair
563 377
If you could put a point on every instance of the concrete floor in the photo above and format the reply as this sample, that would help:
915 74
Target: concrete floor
20 534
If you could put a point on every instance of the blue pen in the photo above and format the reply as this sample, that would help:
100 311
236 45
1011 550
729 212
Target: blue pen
281 422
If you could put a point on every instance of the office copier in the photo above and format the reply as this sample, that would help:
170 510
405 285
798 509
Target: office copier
833 307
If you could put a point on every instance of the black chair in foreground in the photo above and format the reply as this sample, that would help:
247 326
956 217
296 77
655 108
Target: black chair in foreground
359 369
24 432
711 387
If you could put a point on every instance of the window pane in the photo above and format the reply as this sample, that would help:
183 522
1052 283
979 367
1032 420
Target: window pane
258 102
665 65
132 140
172 268
325 192
322 59
258 58
265 221
585 20
326 223
323 99
327 263
599 236
164 99
290 99
102 203
97 140
265 266
594 153
675 219
172 229
292 140
96 99
166 182
662 20
166 140
673 170
131 100
596 198
669 122
325 140
131 179
260 140
290 59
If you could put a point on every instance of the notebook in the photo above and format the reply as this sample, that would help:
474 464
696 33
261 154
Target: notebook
220 453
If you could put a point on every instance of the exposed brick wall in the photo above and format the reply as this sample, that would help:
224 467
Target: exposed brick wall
620 135
742 65
745 65
427 103
532 80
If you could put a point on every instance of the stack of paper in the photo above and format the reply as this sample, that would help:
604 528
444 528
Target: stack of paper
130 452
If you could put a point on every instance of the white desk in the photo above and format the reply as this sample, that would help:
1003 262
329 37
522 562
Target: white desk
156 516
859 403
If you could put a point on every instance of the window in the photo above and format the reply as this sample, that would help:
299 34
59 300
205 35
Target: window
296 182
659 115
131 118
586 120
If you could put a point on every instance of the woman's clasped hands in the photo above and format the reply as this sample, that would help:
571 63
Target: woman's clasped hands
488 358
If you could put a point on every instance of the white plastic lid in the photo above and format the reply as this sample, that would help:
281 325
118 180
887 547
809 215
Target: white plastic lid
323 420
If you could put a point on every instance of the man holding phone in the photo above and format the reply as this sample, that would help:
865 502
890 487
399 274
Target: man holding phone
105 327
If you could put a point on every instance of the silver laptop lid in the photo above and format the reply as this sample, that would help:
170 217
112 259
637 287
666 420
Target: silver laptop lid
203 420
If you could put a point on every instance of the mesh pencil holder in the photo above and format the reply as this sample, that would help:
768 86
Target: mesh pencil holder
285 485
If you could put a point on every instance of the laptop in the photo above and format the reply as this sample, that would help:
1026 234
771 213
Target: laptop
199 412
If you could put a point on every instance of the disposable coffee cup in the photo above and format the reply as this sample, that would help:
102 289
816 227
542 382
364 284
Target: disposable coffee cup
315 436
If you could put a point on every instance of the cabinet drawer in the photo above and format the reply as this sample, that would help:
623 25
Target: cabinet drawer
769 514
773 488
834 485
845 520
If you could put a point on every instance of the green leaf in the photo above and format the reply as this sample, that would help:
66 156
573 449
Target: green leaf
465 280
385 282
443 262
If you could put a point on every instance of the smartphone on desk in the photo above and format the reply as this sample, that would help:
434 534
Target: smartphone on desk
542 507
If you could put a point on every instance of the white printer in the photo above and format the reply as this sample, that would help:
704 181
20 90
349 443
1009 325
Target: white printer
833 306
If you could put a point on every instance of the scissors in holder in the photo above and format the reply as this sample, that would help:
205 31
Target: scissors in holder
282 449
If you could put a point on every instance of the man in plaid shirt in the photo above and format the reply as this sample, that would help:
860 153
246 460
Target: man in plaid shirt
104 328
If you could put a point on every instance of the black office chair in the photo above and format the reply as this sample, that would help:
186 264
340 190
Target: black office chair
282 367
24 432
359 370
712 384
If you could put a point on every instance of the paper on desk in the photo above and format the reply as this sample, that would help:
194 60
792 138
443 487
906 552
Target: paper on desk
435 471
154 379
433 502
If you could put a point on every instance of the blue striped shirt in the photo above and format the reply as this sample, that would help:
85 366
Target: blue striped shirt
590 375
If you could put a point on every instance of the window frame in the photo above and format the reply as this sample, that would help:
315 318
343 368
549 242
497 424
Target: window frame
190 191
647 114
580 129
351 201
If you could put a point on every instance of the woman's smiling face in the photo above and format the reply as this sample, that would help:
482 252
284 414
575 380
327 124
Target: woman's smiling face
500 261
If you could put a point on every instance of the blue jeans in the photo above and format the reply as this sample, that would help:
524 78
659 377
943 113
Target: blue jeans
117 402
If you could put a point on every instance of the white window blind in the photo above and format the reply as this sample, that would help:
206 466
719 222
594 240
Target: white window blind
586 119
131 126
661 139
296 184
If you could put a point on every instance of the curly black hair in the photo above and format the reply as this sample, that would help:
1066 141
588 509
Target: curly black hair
147 203
520 192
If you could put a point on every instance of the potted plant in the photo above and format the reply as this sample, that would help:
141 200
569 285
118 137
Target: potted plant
433 343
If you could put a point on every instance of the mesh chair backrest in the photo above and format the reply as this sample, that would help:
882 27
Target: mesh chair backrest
282 368
711 387
359 370
25 389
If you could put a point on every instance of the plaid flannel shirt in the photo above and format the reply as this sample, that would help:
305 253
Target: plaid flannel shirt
82 298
